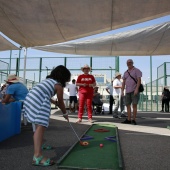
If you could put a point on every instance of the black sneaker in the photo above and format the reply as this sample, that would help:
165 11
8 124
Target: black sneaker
115 116
134 122
126 121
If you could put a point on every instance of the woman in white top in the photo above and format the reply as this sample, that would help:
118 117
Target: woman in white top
117 85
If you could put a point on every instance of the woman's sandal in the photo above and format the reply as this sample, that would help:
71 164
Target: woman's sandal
46 147
37 161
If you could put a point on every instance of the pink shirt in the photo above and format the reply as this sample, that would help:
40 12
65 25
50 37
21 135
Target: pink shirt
129 82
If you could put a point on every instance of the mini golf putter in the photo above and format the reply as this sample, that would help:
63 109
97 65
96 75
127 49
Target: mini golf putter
81 142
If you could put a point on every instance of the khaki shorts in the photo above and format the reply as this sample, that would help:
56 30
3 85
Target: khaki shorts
130 98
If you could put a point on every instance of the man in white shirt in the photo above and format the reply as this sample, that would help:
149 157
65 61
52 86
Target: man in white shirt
117 97
72 89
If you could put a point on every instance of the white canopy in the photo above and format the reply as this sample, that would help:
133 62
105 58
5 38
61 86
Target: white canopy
6 45
153 40
41 22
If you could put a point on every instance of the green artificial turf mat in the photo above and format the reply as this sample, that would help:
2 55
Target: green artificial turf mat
93 156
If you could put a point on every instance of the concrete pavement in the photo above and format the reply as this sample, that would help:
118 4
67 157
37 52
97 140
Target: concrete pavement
145 146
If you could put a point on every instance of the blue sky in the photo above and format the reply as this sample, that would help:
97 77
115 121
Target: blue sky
141 62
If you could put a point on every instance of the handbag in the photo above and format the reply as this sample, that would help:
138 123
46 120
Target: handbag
141 88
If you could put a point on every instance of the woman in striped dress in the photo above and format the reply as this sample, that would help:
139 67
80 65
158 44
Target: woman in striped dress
37 108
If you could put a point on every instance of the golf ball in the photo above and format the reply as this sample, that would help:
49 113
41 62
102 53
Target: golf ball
101 145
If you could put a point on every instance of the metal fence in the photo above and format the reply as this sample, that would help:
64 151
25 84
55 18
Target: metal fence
150 99
4 71
37 68
103 68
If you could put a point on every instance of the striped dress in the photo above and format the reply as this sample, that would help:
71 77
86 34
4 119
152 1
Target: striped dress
37 105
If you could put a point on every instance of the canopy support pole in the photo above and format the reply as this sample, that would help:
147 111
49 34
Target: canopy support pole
10 62
25 61
151 81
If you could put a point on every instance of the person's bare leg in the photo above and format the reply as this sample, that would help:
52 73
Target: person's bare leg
75 106
129 112
134 111
70 107
38 140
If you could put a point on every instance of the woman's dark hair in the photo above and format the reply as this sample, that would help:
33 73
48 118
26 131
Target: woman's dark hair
61 74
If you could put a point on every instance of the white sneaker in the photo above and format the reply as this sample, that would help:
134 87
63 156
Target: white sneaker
90 120
123 112
76 111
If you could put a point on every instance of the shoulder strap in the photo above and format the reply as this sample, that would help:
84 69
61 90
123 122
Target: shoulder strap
132 77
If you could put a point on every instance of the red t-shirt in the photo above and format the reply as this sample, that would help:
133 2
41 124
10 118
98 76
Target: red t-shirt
88 79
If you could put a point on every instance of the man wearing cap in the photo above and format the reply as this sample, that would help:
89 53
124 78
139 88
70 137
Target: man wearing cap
132 90
117 86
16 89
86 82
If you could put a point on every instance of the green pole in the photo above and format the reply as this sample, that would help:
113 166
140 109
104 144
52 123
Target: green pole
17 66
65 61
40 69
165 79
142 100
10 61
157 93
151 81
91 64
146 98
117 63
25 63
19 61
34 76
